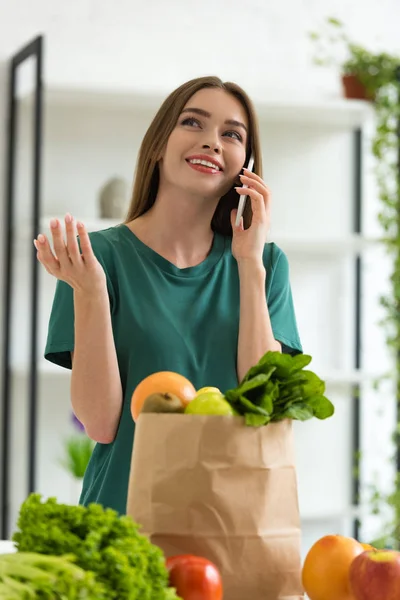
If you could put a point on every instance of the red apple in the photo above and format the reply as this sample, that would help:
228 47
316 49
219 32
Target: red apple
375 575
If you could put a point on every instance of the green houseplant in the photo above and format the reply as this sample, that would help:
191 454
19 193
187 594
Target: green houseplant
78 449
375 77
364 73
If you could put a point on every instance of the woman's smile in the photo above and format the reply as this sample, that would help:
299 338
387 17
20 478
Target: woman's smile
205 164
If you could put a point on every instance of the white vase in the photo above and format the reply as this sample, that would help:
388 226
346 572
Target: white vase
76 489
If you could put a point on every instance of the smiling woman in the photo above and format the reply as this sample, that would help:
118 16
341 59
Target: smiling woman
206 108
176 287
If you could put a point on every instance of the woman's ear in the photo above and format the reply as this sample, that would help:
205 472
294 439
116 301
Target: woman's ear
160 154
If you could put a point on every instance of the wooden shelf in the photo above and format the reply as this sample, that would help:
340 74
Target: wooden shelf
331 112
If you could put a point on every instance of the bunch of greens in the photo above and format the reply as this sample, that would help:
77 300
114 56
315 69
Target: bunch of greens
33 576
125 562
278 387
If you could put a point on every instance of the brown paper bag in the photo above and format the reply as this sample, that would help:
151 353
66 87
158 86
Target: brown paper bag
214 487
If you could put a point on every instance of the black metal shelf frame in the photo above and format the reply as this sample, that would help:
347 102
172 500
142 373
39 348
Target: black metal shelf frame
32 50
356 404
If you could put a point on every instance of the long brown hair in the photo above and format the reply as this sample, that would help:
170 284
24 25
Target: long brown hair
147 173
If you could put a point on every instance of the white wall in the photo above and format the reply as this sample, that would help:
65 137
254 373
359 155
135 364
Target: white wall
131 43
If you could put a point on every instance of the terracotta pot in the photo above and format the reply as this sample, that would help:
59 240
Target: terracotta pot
354 89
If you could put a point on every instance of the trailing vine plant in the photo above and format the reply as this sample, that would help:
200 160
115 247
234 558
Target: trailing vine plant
379 74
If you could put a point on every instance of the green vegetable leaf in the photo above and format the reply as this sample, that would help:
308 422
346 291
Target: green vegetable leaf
254 420
300 361
314 385
259 380
282 362
321 407
34 575
279 387
267 402
250 407
299 411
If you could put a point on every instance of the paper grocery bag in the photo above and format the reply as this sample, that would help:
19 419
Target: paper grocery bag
214 487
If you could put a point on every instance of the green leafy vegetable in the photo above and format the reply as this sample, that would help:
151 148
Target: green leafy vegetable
256 420
124 562
32 575
322 407
279 387
251 408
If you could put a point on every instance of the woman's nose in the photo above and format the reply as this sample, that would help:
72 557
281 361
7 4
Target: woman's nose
216 147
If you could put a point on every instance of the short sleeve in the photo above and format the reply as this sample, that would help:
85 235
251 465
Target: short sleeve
280 301
60 334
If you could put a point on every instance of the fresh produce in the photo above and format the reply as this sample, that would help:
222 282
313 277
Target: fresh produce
125 562
209 403
326 568
367 546
278 387
162 382
203 390
375 575
33 575
162 403
194 578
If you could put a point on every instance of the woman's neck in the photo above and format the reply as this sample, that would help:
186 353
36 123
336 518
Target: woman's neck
177 228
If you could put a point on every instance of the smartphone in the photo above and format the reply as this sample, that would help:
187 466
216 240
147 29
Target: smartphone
243 198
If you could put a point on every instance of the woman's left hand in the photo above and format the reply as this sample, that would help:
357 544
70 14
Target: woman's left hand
248 244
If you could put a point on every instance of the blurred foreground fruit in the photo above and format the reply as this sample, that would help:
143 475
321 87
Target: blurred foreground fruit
367 546
326 568
209 403
203 390
194 577
162 403
375 575
162 382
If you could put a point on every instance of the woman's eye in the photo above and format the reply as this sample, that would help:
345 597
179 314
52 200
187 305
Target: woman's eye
190 121
234 134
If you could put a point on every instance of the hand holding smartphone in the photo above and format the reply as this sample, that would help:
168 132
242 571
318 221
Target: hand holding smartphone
242 199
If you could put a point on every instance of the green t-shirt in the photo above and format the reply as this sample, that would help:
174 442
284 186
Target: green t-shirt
165 319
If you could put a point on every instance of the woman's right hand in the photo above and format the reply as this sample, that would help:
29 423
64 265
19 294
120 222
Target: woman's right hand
82 271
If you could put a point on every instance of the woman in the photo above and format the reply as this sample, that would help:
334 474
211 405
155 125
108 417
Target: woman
177 286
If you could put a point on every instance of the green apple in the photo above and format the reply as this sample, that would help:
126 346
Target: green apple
209 403
203 390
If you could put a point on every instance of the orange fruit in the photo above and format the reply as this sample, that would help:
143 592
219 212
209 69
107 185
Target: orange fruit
162 382
325 572
367 546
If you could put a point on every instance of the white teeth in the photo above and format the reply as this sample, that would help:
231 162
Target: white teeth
205 163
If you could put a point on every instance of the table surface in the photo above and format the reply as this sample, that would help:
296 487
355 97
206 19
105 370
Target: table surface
6 547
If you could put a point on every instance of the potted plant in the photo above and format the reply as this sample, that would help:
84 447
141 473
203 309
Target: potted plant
363 73
78 450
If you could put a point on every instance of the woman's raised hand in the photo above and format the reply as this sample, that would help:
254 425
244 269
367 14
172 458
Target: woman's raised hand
79 268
